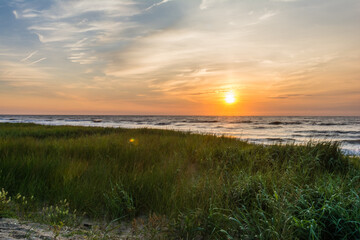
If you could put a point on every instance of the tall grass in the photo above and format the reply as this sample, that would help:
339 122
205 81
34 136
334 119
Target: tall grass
207 186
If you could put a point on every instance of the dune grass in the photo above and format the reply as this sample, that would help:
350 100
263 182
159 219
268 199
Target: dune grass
206 186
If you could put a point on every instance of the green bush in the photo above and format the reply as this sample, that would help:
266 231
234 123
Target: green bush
119 203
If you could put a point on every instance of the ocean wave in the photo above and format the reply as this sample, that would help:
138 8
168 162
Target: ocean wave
275 139
280 139
260 127
331 124
162 124
203 121
298 135
77 120
267 127
328 132
139 121
357 141
285 123
245 121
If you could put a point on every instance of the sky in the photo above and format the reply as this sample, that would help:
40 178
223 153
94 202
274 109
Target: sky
180 57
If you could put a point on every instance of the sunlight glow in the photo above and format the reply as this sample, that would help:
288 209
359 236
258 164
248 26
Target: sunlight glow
230 97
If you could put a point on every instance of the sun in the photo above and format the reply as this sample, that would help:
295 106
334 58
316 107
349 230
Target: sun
230 97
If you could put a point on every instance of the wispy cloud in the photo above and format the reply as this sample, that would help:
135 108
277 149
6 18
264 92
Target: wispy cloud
69 24
68 9
37 61
267 15
157 4
15 14
285 0
207 3
17 73
286 96
30 13
29 56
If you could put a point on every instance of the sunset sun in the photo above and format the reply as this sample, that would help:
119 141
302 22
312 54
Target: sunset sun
230 97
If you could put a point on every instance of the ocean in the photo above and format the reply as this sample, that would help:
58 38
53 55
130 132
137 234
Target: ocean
255 129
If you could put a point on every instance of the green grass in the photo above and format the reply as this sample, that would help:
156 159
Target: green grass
207 187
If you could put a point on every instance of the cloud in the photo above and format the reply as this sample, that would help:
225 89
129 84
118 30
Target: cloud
205 4
80 27
16 14
285 0
267 15
30 13
286 96
29 56
157 4
37 61
179 61
21 74
62 10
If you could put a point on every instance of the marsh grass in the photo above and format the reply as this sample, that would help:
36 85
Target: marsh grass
204 186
